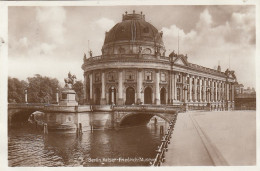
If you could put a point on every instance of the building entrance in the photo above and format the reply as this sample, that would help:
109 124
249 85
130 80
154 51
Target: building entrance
163 96
148 95
97 96
112 95
130 96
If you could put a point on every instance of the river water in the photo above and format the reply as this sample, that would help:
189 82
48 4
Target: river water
131 146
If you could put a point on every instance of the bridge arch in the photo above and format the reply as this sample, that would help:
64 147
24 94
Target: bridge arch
19 115
139 118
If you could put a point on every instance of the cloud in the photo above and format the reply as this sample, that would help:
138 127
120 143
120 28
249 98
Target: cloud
208 43
205 20
23 42
105 23
51 21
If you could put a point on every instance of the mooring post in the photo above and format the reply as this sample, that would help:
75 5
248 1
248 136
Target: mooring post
91 128
45 128
155 121
25 96
161 129
80 128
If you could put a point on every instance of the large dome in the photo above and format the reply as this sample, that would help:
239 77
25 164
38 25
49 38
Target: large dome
133 35
133 28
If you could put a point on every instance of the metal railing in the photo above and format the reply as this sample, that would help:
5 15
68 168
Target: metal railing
163 148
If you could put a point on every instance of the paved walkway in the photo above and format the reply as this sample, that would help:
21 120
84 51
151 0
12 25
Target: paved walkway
213 138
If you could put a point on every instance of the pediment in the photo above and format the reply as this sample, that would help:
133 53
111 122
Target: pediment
180 61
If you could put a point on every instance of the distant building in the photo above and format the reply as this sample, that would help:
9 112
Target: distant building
133 69
245 99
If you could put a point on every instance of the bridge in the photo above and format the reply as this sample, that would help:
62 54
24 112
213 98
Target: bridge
245 102
98 116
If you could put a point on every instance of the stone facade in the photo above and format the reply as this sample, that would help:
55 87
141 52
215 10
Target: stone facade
133 69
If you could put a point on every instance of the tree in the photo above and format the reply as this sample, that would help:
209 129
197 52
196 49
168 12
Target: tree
78 88
16 90
42 89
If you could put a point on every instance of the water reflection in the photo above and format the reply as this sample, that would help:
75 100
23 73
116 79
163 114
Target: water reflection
29 147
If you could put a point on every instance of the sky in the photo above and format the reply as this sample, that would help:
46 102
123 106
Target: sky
51 41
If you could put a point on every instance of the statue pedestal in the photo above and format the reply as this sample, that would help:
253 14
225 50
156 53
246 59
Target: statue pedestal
68 98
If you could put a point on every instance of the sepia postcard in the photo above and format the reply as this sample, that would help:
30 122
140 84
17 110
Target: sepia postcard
111 84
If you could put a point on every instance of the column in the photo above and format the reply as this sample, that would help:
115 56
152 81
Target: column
204 90
103 91
139 87
90 88
184 92
219 91
216 91
212 91
173 85
84 88
157 88
200 89
227 91
120 100
170 88
195 89
233 92
190 83
223 91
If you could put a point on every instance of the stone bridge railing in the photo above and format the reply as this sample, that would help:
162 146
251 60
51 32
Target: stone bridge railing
148 108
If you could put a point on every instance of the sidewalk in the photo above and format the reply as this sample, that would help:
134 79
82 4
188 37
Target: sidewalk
213 138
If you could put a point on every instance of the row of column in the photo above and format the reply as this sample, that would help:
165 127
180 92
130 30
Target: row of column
140 91
209 93
201 92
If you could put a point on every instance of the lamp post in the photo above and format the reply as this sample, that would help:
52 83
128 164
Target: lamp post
141 96
112 95
57 95
185 94
208 95
25 96
185 99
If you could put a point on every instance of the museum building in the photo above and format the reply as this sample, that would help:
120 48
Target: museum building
133 69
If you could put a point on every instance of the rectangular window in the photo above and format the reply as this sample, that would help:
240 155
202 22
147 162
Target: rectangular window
163 77
178 94
97 77
129 75
111 76
178 78
148 75
64 96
